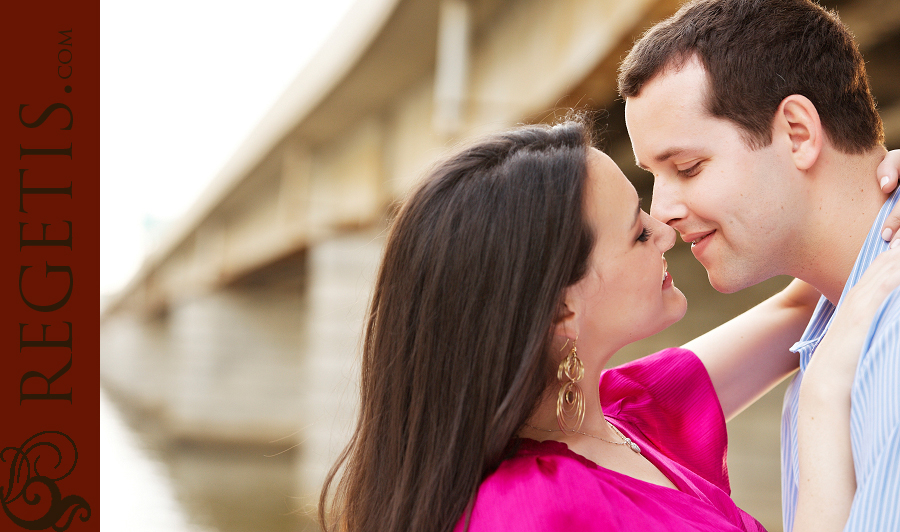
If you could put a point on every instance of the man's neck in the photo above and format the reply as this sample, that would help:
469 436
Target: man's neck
845 200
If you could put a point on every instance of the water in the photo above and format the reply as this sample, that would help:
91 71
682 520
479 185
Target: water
136 493
152 483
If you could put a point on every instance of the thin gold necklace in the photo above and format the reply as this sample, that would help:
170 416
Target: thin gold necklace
627 442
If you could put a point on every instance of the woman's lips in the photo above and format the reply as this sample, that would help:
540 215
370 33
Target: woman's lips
666 278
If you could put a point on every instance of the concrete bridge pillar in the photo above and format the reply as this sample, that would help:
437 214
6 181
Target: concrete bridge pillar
222 366
342 274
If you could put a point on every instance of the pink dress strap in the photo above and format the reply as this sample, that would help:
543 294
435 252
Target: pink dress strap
667 404
669 399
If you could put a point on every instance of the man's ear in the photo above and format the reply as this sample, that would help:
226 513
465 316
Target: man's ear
797 121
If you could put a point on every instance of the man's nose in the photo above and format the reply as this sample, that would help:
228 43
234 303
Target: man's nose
667 205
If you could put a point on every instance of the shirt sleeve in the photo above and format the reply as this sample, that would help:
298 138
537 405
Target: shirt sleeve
669 397
875 425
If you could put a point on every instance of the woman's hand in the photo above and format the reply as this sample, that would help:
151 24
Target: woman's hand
888 172
827 479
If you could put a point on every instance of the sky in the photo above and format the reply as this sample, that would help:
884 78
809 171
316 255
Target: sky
182 83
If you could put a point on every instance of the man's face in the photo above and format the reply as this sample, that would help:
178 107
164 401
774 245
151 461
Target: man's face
733 203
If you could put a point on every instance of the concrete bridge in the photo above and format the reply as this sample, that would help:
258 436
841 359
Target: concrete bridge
243 326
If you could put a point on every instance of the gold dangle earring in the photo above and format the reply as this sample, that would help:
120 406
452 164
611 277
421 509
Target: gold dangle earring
570 402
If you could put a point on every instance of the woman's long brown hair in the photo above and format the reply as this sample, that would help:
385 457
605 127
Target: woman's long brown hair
455 355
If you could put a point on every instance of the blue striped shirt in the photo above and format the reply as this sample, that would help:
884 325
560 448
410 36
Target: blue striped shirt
874 410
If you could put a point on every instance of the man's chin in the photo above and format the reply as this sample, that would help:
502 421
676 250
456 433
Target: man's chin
725 284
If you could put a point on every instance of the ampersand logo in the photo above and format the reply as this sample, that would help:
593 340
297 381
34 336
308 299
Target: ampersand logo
32 497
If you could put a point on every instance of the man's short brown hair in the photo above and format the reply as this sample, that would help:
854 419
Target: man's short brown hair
756 53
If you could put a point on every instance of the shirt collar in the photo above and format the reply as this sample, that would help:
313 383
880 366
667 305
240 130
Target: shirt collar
821 318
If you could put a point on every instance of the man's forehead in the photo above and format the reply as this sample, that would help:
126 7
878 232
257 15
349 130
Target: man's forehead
683 88
661 119
677 64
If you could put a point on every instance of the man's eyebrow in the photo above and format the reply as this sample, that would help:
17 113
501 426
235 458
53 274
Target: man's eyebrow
663 157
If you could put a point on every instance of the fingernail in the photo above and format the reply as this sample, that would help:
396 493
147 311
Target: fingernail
886 234
884 181
895 243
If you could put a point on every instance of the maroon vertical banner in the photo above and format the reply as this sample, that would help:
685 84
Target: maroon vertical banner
49 266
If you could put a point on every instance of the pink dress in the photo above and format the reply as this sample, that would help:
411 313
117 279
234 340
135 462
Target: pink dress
666 404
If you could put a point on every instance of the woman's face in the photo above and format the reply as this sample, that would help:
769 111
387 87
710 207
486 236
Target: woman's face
626 294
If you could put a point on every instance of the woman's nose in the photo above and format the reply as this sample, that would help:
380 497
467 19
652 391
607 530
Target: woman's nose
666 238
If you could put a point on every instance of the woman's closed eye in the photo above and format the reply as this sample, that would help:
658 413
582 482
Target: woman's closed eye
645 234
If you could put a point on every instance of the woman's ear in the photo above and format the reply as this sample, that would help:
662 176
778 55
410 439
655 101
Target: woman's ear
797 121
564 322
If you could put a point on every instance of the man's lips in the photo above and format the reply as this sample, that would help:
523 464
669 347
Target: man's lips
695 238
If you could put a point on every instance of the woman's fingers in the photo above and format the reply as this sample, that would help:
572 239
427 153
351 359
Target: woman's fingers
888 174
888 171
879 280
